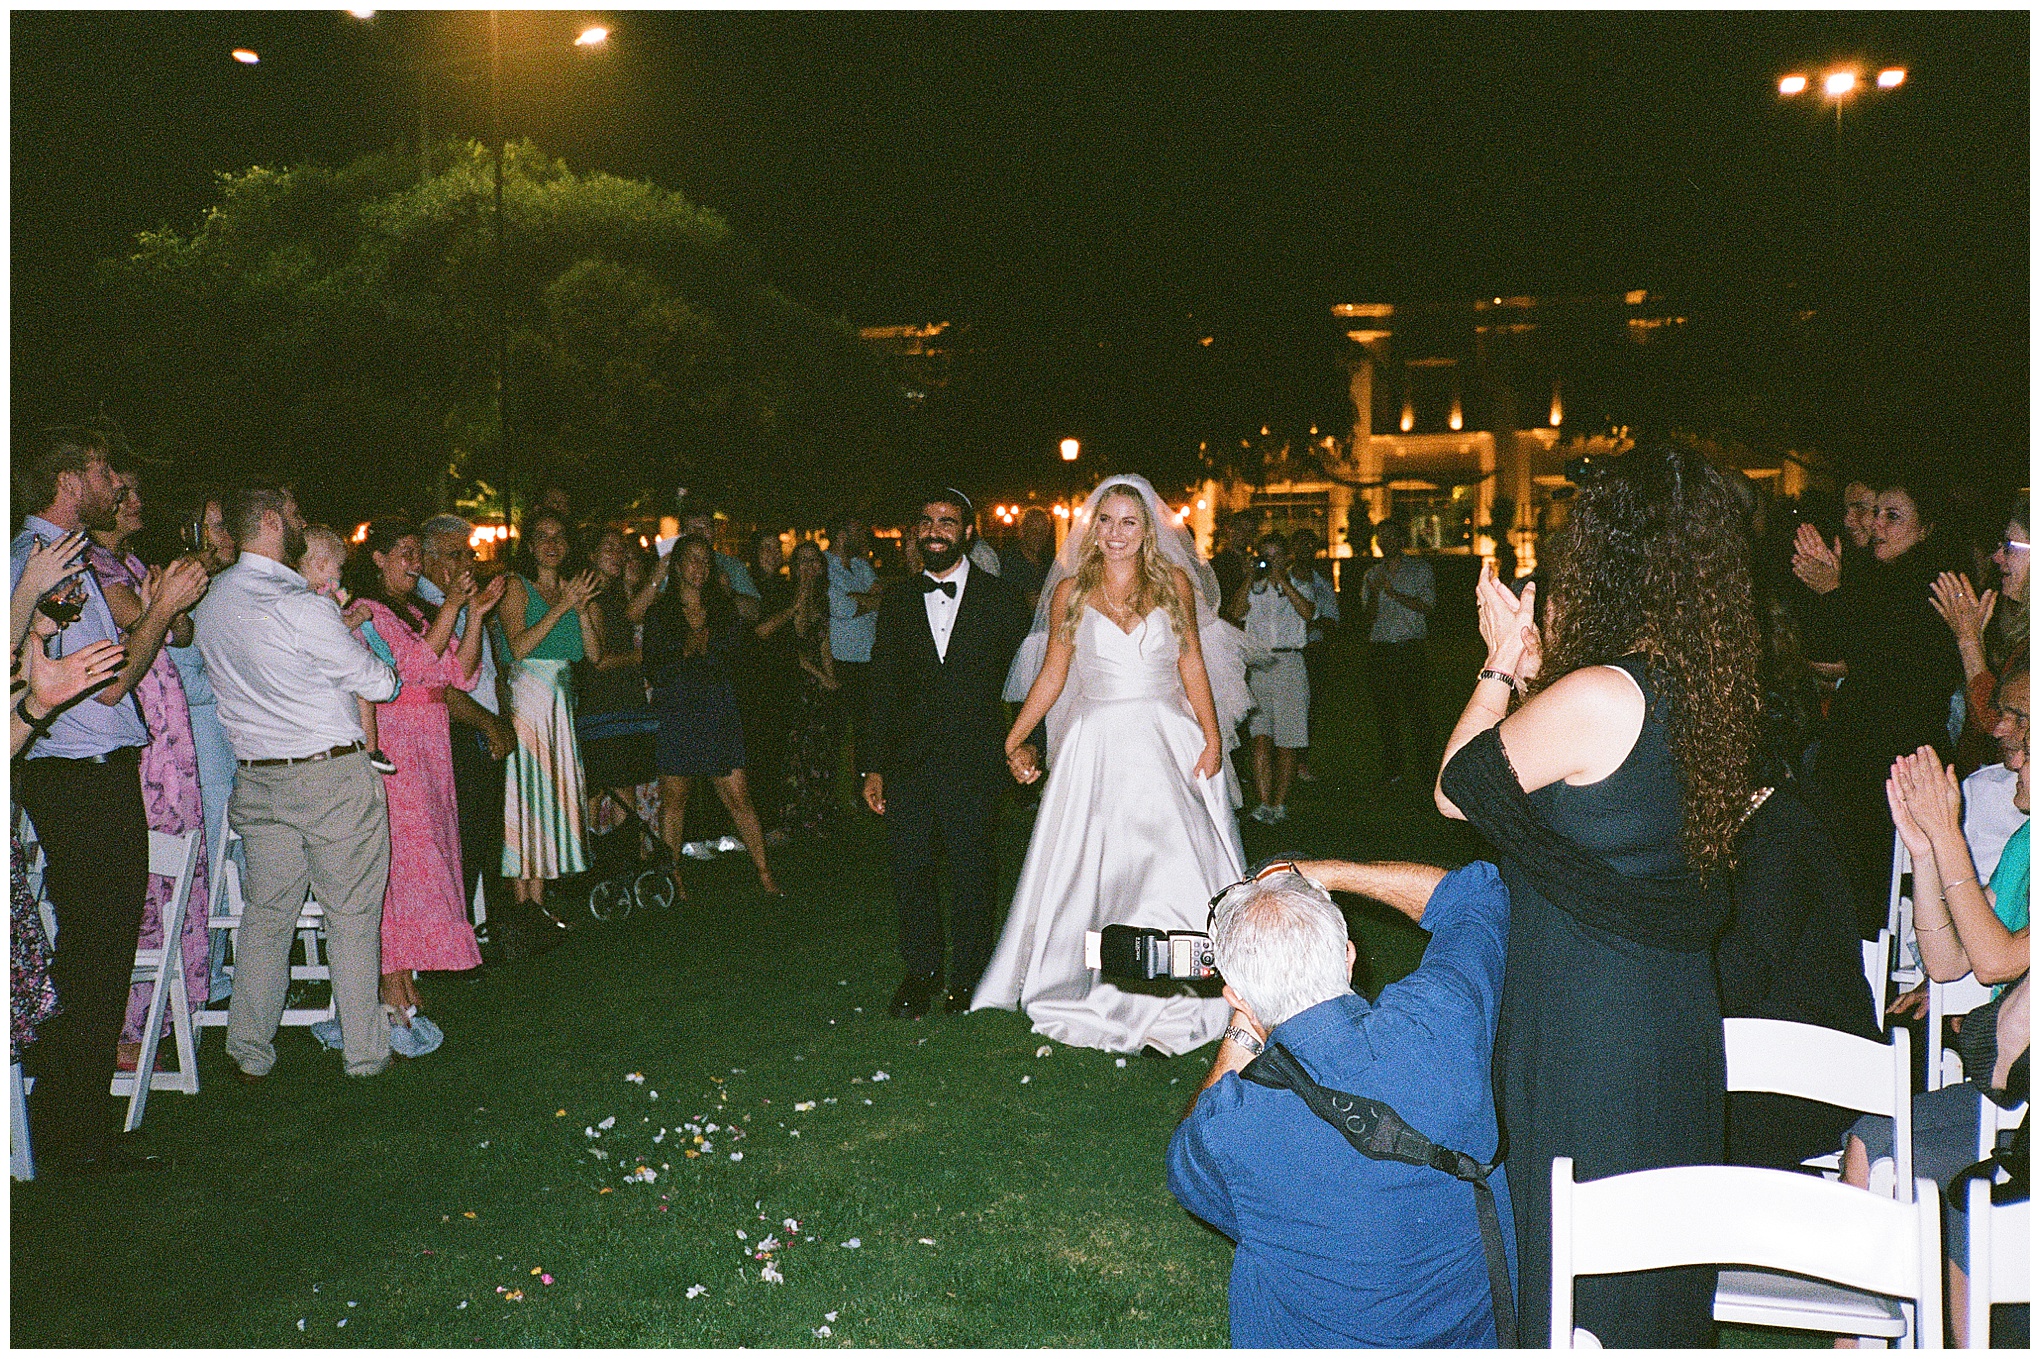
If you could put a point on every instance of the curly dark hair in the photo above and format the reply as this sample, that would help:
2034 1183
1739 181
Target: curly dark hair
1654 562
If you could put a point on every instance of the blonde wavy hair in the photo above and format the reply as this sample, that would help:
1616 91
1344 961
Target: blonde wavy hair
1154 579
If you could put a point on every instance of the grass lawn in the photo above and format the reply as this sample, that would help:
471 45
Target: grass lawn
949 1186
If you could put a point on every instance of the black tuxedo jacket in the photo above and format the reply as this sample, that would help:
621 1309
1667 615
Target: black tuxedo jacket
943 713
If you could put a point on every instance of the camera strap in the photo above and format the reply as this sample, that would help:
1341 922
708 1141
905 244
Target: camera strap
1379 1133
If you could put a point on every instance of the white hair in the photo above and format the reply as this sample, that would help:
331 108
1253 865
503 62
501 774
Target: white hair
442 523
1281 945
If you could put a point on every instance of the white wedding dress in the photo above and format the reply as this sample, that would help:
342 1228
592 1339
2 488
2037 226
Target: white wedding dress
1125 835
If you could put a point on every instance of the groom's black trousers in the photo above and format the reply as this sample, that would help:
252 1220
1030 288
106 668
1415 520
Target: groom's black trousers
929 808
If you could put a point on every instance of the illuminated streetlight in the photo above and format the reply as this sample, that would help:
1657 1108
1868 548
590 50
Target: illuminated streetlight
1891 78
592 36
246 56
1070 449
1792 84
1838 83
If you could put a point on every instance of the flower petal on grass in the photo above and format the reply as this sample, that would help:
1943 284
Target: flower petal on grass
696 1290
1119 1061
1045 1050
880 1076
736 1156
301 1323
636 1077
852 1244
610 1122
828 1316
927 1240
822 1332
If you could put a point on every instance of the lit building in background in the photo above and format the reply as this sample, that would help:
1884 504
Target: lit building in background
1464 415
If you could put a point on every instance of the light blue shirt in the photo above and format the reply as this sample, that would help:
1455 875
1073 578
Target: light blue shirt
738 575
850 633
485 672
88 727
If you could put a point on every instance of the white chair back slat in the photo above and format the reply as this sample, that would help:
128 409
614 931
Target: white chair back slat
1836 1068
225 913
1736 1215
1944 1000
1877 972
2000 1235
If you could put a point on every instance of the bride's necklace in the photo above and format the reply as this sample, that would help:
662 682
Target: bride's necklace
1119 608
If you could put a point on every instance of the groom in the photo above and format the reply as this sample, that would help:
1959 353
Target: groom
936 753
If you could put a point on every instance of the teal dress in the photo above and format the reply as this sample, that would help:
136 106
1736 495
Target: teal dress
545 804
2011 884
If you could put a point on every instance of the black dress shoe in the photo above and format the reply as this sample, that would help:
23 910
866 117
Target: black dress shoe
911 1001
958 1000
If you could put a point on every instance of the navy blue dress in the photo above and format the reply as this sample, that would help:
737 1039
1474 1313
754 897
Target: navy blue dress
700 731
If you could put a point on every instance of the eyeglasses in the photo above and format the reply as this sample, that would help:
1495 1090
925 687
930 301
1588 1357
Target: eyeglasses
1281 866
2010 545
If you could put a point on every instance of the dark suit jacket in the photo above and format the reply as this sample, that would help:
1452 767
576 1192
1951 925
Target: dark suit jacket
946 713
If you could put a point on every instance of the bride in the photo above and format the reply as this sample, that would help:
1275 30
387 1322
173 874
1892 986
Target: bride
1136 823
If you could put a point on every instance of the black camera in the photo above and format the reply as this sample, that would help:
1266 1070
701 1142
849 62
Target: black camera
1137 953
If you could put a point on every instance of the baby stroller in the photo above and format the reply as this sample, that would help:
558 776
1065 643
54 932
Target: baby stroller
630 867
628 861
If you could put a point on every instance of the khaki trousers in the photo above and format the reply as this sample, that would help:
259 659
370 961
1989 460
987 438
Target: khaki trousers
323 825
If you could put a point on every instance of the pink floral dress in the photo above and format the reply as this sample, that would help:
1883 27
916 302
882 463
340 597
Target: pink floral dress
170 798
425 924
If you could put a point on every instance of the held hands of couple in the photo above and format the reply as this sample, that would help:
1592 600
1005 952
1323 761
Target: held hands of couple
1508 625
1024 764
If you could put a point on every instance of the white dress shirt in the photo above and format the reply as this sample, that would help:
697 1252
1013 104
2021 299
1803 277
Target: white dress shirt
941 608
1272 621
285 668
1395 621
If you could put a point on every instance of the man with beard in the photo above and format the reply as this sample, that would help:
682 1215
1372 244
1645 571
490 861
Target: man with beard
81 784
936 749
310 811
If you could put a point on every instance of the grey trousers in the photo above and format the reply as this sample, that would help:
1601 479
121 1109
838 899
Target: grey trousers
323 825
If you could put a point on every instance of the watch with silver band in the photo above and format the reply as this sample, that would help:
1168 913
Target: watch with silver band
1244 1039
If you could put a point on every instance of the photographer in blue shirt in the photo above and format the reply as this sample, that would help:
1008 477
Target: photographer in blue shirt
1336 1248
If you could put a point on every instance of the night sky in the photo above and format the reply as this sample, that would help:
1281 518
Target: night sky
1081 173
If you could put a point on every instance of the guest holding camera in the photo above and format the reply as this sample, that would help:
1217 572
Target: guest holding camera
1275 613
1336 1248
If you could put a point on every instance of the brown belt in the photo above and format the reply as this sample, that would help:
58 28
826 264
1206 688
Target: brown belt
335 753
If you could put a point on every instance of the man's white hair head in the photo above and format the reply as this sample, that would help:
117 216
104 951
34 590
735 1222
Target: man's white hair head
439 525
1281 945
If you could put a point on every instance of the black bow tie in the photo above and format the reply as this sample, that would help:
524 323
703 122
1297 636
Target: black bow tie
929 585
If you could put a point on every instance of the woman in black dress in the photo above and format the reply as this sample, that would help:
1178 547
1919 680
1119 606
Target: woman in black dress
1612 797
767 692
691 637
1902 669
811 750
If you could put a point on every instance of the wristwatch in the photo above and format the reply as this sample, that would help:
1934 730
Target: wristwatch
1244 1039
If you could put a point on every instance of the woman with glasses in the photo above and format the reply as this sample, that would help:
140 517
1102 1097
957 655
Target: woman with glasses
1990 629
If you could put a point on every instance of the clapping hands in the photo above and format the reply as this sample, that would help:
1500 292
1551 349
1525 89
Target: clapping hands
582 588
1925 799
1508 624
1814 561
1965 612
48 563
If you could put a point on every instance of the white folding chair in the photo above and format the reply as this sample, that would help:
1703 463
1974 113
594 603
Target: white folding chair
1840 1069
2000 1237
1945 999
1877 971
162 969
20 1157
225 914
1737 1215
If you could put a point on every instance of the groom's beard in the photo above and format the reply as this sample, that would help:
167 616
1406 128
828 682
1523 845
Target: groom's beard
938 554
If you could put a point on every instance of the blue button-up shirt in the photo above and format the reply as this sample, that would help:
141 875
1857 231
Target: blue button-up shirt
1335 1249
850 633
88 727
485 671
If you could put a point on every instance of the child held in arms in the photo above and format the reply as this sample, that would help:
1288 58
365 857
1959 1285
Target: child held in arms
325 555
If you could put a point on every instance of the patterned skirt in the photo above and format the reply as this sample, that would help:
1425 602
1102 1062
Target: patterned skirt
544 798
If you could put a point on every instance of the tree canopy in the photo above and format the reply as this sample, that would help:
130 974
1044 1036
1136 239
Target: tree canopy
339 325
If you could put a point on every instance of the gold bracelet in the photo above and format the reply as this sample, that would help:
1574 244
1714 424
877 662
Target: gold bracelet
1935 929
1957 883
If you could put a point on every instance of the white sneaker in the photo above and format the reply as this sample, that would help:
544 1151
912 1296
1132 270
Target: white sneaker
1278 814
698 849
1263 814
730 844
